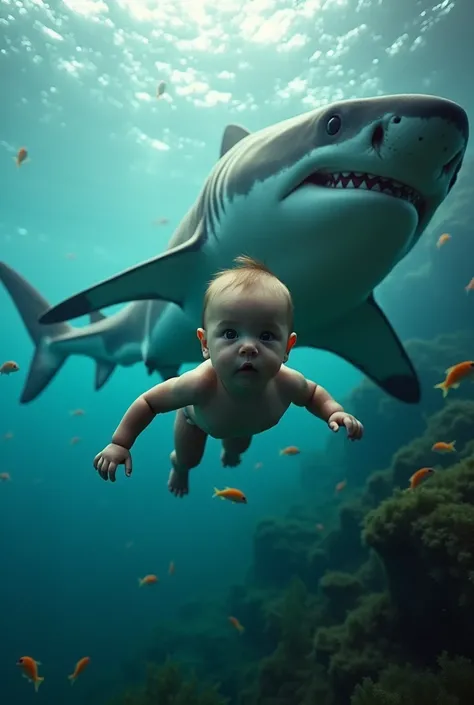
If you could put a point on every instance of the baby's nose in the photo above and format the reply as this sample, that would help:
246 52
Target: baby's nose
248 347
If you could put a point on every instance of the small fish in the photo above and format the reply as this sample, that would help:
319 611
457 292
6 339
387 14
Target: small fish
5 477
171 568
75 440
470 286
340 486
161 221
21 156
70 255
77 412
30 670
290 450
442 240
8 436
455 375
419 476
80 666
236 624
320 527
442 447
8 367
231 494
258 466
160 89
129 544
148 580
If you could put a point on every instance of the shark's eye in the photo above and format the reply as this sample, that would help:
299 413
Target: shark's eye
333 125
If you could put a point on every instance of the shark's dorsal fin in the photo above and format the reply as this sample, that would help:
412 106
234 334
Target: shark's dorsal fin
96 316
232 135
103 370
365 338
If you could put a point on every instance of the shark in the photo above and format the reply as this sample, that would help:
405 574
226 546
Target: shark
330 200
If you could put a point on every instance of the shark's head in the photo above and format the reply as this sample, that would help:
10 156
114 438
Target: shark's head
368 173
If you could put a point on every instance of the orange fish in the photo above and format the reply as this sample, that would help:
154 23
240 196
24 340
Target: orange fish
5 477
470 286
235 623
147 580
455 375
290 450
8 367
30 670
442 447
340 485
231 494
171 568
80 666
442 240
21 156
419 476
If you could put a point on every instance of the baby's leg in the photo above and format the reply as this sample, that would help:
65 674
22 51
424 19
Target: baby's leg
232 449
189 444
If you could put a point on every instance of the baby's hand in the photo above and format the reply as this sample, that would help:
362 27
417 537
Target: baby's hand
354 427
107 460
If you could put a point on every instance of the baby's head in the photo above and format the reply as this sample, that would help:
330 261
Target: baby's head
247 324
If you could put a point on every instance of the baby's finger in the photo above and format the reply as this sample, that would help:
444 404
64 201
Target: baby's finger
112 470
103 469
96 460
349 424
334 426
128 466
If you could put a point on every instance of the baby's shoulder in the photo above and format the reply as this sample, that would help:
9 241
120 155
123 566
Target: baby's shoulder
292 385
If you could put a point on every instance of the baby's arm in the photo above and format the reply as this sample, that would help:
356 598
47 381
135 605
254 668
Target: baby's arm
304 392
173 394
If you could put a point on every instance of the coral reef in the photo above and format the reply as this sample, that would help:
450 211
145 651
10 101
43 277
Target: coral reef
404 685
424 538
166 685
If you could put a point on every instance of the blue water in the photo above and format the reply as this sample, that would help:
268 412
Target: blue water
94 184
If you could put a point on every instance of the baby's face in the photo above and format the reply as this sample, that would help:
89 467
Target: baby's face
247 336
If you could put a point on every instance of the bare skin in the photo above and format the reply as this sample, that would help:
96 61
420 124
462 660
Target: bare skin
242 389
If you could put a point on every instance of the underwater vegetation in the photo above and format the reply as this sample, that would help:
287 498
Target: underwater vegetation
168 685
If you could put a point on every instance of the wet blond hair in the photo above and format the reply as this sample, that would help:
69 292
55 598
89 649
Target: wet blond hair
246 274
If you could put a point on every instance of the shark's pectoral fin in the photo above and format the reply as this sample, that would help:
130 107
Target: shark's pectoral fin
366 339
163 277
103 371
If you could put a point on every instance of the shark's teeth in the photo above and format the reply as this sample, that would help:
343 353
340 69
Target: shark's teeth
370 182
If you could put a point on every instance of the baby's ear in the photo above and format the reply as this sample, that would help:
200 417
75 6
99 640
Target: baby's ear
201 334
290 344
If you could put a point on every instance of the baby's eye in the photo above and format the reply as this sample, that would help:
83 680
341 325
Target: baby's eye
267 336
230 334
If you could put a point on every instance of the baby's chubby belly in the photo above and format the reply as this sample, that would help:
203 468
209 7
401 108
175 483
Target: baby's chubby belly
236 423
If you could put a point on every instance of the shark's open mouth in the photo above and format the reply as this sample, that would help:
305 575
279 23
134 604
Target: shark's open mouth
368 182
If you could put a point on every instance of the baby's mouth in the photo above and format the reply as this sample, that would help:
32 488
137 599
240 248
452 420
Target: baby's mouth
247 367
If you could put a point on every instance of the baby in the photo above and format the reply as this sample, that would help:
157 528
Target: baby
241 389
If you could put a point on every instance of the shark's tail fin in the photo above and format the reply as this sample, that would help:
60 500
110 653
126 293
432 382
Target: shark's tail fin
47 361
